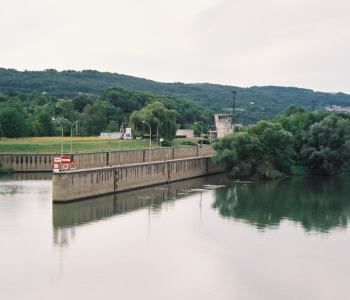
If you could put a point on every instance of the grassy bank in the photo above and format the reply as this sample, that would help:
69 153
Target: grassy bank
79 144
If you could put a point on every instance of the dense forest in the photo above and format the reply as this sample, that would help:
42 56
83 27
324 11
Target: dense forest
32 114
296 141
253 103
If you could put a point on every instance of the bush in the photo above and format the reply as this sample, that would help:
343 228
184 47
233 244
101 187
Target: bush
204 142
188 143
166 143
5 170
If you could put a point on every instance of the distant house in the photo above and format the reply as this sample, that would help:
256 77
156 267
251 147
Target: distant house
185 132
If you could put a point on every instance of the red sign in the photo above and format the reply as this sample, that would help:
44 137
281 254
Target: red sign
63 163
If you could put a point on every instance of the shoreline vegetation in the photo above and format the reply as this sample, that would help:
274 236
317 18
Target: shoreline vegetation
5 170
254 103
297 142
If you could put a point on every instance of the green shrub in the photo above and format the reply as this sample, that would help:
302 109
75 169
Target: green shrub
188 143
5 170
166 143
204 141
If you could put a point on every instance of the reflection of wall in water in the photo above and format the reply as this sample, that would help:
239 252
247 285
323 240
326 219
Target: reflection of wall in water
63 236
75 213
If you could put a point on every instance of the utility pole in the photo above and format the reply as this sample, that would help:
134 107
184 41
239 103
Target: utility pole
71 136
150 139
313 105
234 92
77 128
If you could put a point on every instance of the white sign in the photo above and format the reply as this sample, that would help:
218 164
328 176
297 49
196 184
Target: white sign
127 134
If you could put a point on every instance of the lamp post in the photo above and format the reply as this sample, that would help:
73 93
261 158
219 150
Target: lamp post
234 92
71 136
150 139
54 119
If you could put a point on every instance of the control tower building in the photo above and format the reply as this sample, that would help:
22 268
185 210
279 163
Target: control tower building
225 123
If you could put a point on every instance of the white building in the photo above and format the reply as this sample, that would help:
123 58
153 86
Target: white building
111 135
185 132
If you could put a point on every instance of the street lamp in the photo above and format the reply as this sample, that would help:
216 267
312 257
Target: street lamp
71 136
150 139
53 119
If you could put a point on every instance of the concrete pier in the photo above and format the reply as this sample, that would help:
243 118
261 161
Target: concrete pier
80 184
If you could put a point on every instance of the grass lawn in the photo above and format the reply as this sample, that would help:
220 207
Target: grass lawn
79 144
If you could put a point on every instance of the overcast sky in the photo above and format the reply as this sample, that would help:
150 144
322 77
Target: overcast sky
303 43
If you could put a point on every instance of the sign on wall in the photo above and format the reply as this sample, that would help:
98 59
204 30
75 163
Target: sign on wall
63 163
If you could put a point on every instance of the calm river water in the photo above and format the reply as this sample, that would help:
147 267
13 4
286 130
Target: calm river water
205 238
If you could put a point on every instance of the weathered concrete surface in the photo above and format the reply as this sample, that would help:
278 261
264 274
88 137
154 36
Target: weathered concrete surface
79 184
43 162
27 162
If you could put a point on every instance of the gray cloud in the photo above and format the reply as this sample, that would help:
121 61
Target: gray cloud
295 43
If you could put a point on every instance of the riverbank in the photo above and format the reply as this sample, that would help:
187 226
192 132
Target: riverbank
275 174
38 145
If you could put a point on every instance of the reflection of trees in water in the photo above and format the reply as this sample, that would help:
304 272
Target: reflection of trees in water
9 182
27 176
317 203
10 189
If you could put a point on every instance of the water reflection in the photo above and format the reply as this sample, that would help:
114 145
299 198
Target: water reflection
66 216
187 247
317 203
26 176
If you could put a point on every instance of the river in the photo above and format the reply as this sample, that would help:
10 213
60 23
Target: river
204 238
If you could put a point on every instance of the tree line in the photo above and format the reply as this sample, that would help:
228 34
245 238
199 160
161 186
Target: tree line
25 115
254 103
296 141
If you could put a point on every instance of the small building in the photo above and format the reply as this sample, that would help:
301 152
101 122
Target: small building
111 135
185 132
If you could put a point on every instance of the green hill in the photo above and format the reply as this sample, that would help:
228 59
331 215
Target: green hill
253 103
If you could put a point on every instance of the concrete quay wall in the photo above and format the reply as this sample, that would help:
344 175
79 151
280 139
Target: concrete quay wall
27 162
80 184
43 162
